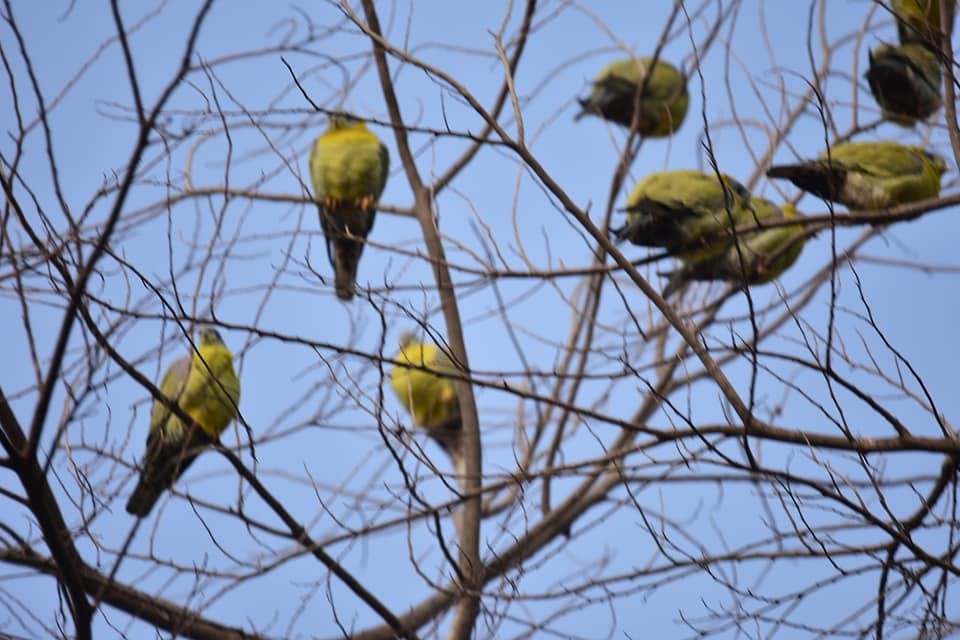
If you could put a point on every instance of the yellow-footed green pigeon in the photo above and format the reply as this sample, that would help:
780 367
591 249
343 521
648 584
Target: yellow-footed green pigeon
205 387
348 167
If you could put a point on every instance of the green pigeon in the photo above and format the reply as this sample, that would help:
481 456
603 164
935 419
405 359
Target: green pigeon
685 210
868 175
905 82
919 21
430 397
348 167
663 105
755 257
205 387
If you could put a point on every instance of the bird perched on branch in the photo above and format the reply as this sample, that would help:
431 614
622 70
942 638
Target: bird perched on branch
752 257
662 105
905 81
685 210
868 175
348 167
918 21
419 382
205 387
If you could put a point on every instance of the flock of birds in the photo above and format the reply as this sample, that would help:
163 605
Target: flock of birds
709 221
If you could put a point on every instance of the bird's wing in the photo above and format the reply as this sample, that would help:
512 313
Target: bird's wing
162 420
882 161
320 193
384 170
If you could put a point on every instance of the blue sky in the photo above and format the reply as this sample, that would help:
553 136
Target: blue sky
314 409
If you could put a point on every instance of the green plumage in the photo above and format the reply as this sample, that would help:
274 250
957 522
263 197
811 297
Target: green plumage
348 167
868 175
685 211
205 387
905 81
919 21
663 105
754 257
430 398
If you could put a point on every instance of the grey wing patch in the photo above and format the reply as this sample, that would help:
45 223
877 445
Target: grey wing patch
180 369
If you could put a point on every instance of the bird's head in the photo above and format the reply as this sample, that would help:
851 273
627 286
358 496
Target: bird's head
210 336
407 338
736 189
936 161
340 121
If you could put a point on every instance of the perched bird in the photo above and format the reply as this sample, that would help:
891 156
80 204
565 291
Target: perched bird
905 81
430 398
206 388
868 175
685 210
348 166
754 257
663 104
919 21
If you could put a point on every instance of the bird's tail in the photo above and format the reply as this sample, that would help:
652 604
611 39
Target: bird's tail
448 434
641 231
144 497
346 259
819 178
162 465
787 171
651 224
